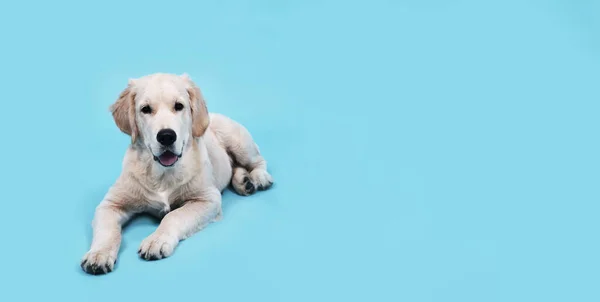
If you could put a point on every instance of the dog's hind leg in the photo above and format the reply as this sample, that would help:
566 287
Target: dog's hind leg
250 168
250 171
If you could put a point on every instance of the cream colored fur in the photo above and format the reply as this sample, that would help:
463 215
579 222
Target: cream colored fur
216 151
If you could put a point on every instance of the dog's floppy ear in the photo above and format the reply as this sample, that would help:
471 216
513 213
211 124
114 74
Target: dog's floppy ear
123 111
200 118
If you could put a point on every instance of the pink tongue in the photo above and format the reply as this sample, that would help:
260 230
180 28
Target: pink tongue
167 158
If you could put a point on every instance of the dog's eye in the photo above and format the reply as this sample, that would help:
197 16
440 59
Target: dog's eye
146 109
178 106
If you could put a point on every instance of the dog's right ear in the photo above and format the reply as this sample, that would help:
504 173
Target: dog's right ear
123 111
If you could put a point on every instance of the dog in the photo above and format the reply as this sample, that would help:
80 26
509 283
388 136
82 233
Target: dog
180 160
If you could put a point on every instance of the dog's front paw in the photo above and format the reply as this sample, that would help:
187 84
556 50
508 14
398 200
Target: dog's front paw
98 263
157 246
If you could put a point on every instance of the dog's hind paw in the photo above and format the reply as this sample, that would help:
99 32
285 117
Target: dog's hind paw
261 178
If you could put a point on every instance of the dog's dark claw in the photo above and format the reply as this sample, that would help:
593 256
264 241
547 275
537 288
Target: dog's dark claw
96 269
250 188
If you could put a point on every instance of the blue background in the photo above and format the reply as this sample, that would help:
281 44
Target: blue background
422 150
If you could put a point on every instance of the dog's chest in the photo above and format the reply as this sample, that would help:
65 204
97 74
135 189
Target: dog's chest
160 201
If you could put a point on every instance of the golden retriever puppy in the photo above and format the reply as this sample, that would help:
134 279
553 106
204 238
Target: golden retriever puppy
180 160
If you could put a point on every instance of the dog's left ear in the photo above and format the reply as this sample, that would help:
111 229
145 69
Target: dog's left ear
123 111
200 118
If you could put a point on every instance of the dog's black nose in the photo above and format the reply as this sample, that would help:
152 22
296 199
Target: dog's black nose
166 137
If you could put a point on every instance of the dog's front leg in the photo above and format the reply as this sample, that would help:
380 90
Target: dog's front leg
107 223
180 224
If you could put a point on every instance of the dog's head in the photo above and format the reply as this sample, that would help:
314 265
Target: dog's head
161 112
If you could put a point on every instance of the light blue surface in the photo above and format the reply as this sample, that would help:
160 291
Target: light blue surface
422 150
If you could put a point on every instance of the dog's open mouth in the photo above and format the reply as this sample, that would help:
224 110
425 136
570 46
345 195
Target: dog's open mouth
167 159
